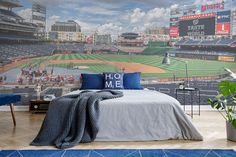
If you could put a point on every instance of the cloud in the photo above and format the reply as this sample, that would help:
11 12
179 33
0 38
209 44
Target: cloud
202 2
26 14
51 20
54 17
159 3
98 10
158 14
109 28
111 16
174 6
138 20
87 28
52 2
137 15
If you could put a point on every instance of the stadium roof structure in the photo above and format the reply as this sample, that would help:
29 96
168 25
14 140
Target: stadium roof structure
9 14
10 3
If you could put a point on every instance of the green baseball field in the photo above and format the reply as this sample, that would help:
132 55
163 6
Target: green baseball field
149 65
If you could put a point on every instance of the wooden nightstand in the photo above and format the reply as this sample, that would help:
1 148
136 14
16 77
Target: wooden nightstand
39 106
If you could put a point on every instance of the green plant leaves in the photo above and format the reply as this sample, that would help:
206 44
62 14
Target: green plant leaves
234 99
226 101
227 88
230 110
217 104
234 123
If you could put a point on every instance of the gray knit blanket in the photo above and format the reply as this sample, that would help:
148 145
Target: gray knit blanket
72 119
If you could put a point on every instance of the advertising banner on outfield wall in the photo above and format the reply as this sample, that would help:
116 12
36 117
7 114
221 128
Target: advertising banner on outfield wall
223 29
223 16
226 58
174 31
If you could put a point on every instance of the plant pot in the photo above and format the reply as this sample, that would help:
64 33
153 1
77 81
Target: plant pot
231 132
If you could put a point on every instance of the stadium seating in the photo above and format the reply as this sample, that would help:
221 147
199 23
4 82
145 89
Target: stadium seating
91 47
213 42
27 94
233 44
209 42
200 52
192 42
208 90
130 49
17 37
181 42
225 41
57 92
9 52
14 51
71 47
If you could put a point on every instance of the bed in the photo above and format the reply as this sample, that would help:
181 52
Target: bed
143 115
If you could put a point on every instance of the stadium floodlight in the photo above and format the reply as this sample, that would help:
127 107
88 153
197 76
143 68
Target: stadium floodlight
166 60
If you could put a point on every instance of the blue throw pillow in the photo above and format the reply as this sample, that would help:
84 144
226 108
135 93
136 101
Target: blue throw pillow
113 80
132 80
92 81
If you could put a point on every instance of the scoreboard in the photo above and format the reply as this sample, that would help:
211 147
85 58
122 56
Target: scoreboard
197 27
209 20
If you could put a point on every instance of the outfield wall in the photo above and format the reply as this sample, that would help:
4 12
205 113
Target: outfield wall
207 57
197 56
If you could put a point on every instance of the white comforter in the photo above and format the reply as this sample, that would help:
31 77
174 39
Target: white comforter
143 115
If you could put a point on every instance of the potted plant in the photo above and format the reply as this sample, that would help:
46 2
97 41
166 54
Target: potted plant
225 103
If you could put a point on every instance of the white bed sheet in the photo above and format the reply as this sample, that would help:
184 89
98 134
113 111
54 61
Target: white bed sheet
143 115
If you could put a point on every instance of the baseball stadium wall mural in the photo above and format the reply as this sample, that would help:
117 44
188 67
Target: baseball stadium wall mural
46 45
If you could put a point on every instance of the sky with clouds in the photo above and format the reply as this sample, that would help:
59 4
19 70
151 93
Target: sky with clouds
109 16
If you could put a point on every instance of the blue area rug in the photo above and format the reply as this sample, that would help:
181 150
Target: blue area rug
120 153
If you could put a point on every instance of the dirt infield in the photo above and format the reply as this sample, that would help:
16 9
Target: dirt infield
128 67
12 65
